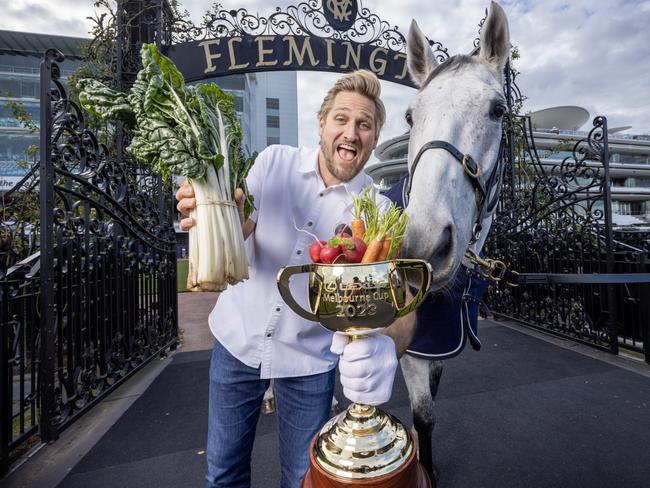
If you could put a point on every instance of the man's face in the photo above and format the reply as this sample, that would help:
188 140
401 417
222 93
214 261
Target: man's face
348 134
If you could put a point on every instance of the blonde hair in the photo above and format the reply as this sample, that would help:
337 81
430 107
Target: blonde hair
363 82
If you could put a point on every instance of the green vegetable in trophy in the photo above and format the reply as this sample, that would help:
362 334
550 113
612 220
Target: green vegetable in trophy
190 131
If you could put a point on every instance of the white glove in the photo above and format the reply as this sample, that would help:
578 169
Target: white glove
367 367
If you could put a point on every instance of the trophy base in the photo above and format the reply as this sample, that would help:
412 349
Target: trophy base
364 446
410 475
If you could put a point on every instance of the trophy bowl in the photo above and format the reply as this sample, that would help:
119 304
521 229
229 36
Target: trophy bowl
352 298
363 442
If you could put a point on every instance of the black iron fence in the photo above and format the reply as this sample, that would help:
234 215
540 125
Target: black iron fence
88 290
580 279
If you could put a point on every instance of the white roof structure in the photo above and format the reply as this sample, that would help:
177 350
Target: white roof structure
567 117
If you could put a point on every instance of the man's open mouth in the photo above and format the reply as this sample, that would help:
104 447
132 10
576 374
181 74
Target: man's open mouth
346 152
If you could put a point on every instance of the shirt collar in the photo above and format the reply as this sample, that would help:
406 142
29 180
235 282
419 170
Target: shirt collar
309 164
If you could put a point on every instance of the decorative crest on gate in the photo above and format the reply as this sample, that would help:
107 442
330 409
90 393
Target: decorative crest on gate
340 14
319 35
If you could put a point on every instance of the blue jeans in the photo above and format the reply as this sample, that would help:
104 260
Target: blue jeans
236 392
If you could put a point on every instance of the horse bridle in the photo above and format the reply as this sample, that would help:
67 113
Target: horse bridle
487 197
471 168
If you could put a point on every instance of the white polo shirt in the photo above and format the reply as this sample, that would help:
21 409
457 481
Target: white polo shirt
250 319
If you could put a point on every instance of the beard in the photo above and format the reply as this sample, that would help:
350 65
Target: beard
343 174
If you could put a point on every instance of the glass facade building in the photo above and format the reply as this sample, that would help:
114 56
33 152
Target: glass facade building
20 58
629 166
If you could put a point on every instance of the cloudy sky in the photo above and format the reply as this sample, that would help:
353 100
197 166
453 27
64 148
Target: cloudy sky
595 54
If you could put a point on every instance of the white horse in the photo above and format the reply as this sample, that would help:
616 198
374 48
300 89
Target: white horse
456 127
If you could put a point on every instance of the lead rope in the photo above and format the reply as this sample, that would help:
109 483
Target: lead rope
492 269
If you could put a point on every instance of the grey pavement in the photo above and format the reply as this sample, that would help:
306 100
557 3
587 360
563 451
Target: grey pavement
525 411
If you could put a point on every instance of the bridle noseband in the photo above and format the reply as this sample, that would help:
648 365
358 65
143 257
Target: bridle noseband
482 189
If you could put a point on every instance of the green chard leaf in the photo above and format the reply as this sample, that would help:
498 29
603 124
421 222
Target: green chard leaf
104 102
176 128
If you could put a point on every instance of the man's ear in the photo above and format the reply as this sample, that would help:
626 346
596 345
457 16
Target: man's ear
321 123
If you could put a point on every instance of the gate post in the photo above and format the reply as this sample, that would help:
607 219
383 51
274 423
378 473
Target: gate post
5 384
612 320
510 132
644 312
48 325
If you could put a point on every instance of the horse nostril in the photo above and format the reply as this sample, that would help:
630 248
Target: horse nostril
444 245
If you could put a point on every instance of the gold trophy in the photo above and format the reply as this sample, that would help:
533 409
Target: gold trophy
362 446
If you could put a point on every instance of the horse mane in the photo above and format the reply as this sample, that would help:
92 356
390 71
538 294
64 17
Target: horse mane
453 63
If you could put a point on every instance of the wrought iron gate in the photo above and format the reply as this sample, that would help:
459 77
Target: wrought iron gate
554 225
88 284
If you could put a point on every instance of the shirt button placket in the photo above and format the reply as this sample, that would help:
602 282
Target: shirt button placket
269 331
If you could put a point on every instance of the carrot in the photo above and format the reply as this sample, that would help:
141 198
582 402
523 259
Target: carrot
365 215
397 252
358 228
372 251
385 248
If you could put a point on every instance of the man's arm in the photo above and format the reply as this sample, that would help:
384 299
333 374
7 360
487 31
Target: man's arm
248 227
402 332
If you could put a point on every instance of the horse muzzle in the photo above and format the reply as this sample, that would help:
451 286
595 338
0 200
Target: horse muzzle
440 252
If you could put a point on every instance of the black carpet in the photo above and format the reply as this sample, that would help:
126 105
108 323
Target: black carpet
520 413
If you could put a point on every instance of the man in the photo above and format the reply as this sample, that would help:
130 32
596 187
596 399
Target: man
257 336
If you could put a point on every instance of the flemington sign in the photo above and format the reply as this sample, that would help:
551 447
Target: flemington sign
243 54
332 35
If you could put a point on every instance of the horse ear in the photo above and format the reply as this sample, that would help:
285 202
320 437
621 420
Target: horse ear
495 38
419 56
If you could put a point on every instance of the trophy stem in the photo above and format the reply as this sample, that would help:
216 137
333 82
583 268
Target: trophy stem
361 409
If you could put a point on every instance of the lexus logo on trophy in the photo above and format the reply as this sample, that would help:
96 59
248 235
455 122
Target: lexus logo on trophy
363 444
340 14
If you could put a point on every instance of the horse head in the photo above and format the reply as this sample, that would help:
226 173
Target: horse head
455 138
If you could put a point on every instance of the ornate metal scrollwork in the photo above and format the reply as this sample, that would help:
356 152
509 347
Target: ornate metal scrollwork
308 18
551 220
114 270
542 188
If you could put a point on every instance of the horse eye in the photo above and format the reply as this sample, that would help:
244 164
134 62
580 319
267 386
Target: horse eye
498 111
409 118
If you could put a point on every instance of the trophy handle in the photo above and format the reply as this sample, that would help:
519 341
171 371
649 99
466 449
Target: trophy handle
425 282
285 292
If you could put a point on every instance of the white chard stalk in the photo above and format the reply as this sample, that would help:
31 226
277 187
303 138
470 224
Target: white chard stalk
217 255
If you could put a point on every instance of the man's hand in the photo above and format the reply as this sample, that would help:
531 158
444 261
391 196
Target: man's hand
187 202
367 367
240 198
